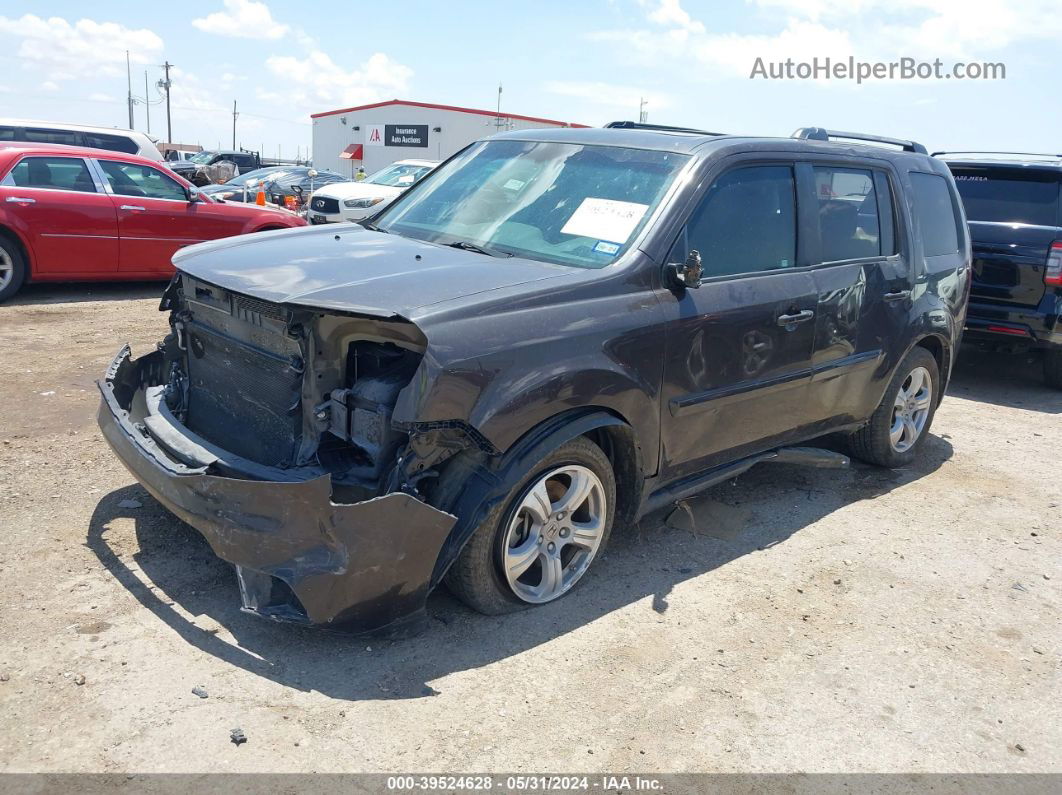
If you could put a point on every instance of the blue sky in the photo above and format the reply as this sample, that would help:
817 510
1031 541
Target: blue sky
588 62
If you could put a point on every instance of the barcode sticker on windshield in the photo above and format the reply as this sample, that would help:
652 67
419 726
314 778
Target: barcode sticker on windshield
605 219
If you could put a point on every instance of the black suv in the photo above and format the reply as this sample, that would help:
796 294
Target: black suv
1015 217
553 333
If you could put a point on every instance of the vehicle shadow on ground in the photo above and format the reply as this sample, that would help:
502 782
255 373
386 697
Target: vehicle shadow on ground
175 575
33 294
1004 379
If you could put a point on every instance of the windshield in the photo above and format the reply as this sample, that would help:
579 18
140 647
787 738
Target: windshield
398 176
1009 195
202 158
564 203
269 174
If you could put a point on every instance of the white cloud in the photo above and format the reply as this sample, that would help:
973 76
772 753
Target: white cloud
869 30
244 19
316 82
610 95
673 15
49 85
56 50
99 96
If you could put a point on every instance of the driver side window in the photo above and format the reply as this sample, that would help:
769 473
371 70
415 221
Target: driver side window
746 222
133 179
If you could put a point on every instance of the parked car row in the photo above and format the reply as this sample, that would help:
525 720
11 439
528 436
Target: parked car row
285 186
77 214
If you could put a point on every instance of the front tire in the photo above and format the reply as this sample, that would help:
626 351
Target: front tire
12 268
539 541
899 426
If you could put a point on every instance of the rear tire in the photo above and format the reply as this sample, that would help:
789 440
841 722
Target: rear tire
899 426
1053 368
12 268
545 552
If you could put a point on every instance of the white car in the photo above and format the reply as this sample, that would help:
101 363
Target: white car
115 139
352 201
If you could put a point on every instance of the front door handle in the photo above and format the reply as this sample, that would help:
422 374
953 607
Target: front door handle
794 319
899 295
21 199
135 207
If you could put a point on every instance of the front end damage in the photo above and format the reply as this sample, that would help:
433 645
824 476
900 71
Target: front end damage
269 429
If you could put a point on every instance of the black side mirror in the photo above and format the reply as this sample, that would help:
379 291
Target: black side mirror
685 275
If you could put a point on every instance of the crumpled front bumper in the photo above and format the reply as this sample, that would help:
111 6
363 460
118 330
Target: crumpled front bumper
365 567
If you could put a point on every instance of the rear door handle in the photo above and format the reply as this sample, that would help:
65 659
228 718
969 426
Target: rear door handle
136 207
899 295
21 199
794 319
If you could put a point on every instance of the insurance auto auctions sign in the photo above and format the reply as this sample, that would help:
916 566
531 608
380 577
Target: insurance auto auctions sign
396 135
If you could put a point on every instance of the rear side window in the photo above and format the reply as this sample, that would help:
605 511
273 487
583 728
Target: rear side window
56 173
113 143
1008 195
849 221
43 136
746 222
8 134
132 179
936 214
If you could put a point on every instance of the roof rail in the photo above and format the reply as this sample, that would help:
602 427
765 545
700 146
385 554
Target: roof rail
822 134
641 125
979 152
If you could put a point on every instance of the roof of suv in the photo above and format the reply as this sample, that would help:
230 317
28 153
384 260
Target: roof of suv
694 143
14 148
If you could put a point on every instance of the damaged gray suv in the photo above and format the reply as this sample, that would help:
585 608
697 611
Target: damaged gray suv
554 333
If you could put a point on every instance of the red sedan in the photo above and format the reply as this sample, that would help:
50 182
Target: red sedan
69 213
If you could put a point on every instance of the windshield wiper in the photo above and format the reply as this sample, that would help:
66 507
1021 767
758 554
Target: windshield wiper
466 245
372 227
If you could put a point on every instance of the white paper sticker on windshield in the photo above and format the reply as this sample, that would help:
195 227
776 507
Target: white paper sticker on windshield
514 184
605 219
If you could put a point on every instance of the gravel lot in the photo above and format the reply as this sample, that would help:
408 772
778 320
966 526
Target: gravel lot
864 620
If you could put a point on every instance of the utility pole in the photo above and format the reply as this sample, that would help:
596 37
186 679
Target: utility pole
129 93
147 102
165 85
643 114
235 116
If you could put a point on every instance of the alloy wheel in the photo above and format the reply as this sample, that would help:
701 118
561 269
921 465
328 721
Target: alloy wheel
911 410
554 533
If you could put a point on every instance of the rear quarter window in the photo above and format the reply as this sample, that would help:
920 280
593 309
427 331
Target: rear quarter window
113 143
45 136
937 214
1005 195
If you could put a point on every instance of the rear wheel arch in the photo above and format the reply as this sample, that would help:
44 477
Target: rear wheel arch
941 351
9 233
16 263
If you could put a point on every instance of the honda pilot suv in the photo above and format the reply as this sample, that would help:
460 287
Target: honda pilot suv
550 335
1015 217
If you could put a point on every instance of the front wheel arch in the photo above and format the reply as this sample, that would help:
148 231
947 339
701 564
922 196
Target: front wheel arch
469 488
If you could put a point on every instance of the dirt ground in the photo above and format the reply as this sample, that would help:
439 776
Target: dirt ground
861 620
